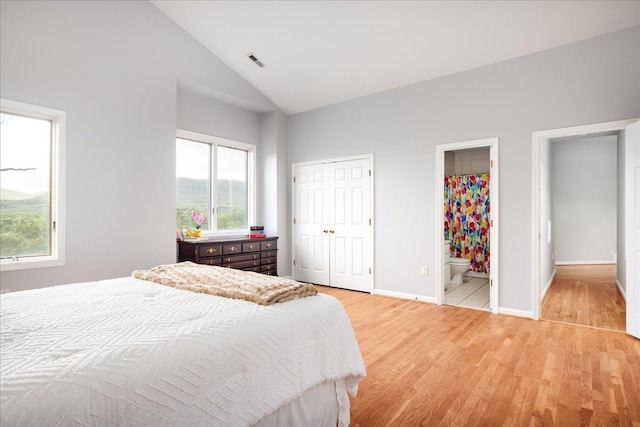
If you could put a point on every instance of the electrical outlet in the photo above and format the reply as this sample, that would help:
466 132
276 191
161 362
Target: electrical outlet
425 270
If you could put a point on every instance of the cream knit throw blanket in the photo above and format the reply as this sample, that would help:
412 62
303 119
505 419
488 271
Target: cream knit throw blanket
227 282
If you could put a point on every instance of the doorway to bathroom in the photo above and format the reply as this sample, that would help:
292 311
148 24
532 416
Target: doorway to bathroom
467 223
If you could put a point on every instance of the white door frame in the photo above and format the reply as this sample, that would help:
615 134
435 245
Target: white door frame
494 230
371 255
537 138
632 226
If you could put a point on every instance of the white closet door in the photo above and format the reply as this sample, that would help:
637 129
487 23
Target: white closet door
350 228
310 230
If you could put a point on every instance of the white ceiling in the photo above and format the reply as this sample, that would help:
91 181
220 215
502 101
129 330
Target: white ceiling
319 53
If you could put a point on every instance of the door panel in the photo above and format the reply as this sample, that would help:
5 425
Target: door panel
357 249
350 243
311 214
632 226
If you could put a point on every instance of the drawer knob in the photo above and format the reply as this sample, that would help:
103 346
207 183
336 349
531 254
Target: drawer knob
269 245
232 248
251 247
211 251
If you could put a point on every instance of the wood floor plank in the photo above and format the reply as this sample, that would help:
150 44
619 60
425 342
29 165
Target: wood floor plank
586 295
444 365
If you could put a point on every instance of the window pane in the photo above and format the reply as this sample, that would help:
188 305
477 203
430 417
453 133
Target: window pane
232 188
192 181
25 186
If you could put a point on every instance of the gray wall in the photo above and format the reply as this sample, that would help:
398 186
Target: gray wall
622 264
272 194
585 199
114 68
592 81
199 113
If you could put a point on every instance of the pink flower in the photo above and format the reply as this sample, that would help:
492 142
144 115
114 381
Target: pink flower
198 218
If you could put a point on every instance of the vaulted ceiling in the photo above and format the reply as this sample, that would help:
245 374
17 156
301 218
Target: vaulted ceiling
318 53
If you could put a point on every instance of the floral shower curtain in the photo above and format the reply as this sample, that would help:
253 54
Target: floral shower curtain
466 218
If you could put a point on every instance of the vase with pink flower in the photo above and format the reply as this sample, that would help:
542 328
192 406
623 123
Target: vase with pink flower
198 219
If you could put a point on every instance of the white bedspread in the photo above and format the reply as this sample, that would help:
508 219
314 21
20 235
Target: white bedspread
131 352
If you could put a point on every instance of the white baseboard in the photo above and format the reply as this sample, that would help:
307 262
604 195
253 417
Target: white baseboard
518 313
621 289
402 295
548 285
584 262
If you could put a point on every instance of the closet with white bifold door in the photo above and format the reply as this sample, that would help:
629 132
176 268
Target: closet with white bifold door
333 222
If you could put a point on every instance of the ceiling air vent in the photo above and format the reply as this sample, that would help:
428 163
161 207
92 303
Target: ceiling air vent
255 60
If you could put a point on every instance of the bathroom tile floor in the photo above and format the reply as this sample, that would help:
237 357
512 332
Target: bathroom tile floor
473 293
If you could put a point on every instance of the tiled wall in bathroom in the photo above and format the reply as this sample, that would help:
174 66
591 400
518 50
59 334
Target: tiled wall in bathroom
466 161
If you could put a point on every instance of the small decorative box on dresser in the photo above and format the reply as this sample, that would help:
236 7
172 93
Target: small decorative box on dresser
259 255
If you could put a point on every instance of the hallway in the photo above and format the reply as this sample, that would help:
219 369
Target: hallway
586 295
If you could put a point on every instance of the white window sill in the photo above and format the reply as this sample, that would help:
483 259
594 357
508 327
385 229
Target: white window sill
225 234
25 263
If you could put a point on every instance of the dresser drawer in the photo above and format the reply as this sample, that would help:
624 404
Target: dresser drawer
269 267
266 261
231 248
254 269
242 264
227 259
265 246
251 247
210 261
209 250
271 254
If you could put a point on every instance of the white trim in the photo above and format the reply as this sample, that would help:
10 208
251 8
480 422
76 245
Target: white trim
216 141
58 180
609 262
201 137
371 209
402 295
518 313
537 138
621 289
333 160
548 285
494 236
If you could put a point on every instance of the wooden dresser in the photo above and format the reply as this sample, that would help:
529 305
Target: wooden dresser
259 255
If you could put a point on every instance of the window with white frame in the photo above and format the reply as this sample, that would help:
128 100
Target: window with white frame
31 186
215 177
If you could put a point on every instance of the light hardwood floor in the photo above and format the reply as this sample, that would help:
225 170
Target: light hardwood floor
441 365
586 295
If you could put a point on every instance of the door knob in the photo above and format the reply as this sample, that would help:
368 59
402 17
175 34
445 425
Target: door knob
326 231
332 231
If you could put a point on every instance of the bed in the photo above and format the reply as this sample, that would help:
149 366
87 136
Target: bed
133 352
